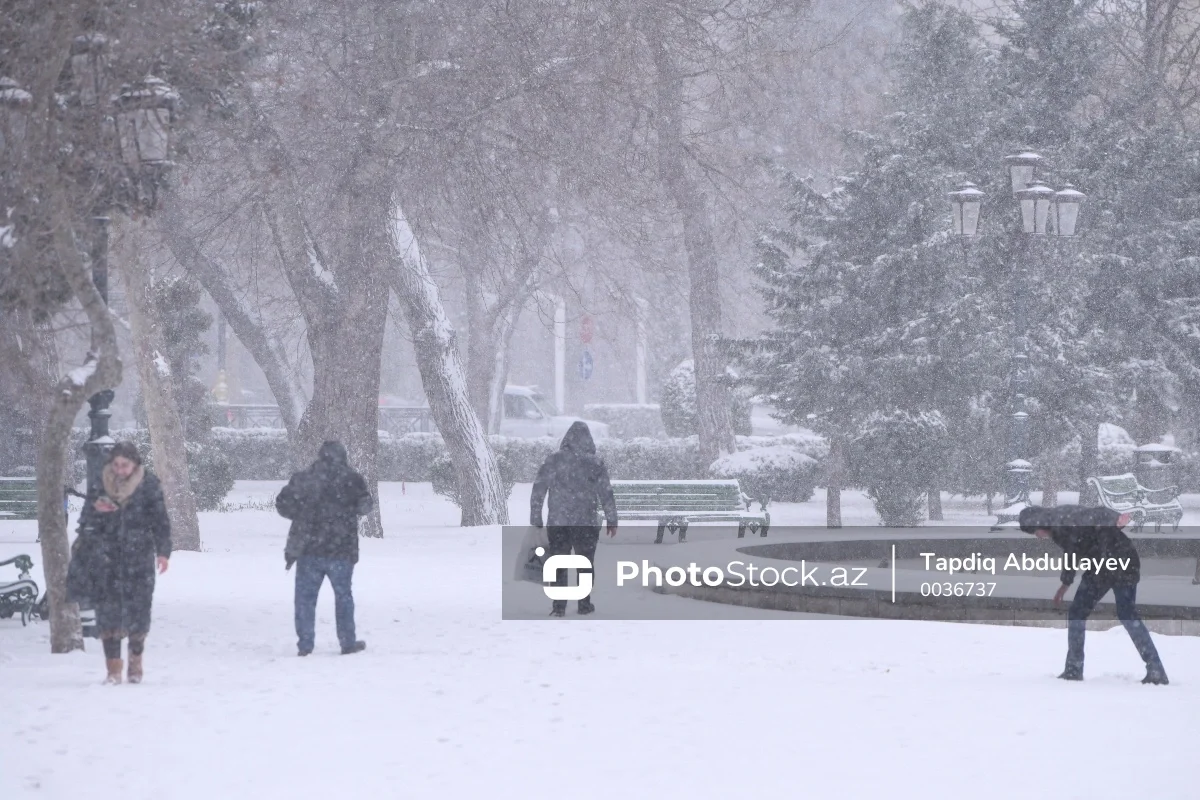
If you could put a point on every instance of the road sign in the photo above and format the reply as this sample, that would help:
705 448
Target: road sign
585 365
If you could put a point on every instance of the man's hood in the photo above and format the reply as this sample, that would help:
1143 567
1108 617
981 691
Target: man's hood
578 440
333 453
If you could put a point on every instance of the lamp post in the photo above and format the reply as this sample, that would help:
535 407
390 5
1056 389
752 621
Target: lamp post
139 118
1042 211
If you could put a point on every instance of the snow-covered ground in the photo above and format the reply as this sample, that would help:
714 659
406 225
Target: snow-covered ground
449 701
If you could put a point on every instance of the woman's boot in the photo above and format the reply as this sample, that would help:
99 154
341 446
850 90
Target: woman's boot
135 659
112 658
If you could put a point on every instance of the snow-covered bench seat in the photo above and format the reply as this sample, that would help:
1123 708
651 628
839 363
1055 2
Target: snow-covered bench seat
18 498
674 504
1123 493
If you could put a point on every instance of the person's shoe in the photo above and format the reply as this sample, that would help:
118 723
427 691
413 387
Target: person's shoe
1156 675
1072 674
114 670
357 647
558 611
135 668
304 652
586 607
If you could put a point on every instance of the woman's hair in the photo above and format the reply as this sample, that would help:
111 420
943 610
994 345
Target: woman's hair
125 450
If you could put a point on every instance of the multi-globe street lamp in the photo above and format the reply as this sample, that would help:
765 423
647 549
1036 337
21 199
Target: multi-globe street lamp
1043 211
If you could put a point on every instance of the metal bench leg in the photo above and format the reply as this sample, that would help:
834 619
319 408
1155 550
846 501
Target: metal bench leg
658 536
741 530
683 526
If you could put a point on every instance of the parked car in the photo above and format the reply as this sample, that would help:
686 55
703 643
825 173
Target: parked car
529 414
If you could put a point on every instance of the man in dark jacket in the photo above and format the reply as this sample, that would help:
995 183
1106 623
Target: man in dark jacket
1094 533
324 503
577 482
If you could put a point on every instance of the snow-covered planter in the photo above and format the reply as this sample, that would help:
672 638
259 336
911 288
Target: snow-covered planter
897 457
779 472
628 420
678 406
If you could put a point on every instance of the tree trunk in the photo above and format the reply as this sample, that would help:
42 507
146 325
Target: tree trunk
987 503
101 371
481 348
934 498
1089 460
480 492
347 348
506 324
713 401
158 393
837 477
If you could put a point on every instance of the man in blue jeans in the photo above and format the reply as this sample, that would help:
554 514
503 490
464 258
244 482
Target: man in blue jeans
324 503
1095 533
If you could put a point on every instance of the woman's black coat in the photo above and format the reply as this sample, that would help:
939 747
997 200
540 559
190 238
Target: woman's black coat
113 559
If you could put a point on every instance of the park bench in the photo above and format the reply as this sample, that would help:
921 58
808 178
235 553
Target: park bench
21 596
1123 493
18 498
674 504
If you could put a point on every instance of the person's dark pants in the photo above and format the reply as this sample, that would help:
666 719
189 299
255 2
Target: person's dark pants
580 538
1090 591
311 572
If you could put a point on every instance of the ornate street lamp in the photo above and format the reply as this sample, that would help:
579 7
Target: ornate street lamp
965 204
1020 169
1035 208
144 119
1066 209
89 68
1041 208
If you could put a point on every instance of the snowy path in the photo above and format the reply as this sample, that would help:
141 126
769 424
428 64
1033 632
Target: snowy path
450 702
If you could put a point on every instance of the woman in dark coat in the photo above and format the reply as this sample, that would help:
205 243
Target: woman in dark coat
129 535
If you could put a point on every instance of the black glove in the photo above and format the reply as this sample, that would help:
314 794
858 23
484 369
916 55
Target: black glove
289 561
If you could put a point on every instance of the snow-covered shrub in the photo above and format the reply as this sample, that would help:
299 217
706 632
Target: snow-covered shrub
897 457
678 403
628 420
211 475
779 472
445 482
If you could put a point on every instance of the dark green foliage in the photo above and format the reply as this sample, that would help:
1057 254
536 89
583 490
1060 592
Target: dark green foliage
897 457
677 403
185 326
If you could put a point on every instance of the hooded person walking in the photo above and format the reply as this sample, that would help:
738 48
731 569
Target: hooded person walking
124 535
1095 533
576 483
324 503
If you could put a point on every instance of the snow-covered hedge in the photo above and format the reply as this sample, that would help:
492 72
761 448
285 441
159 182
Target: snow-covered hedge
628 420
445 483
778 472
262 454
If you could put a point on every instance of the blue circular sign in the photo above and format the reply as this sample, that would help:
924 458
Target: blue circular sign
585 365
